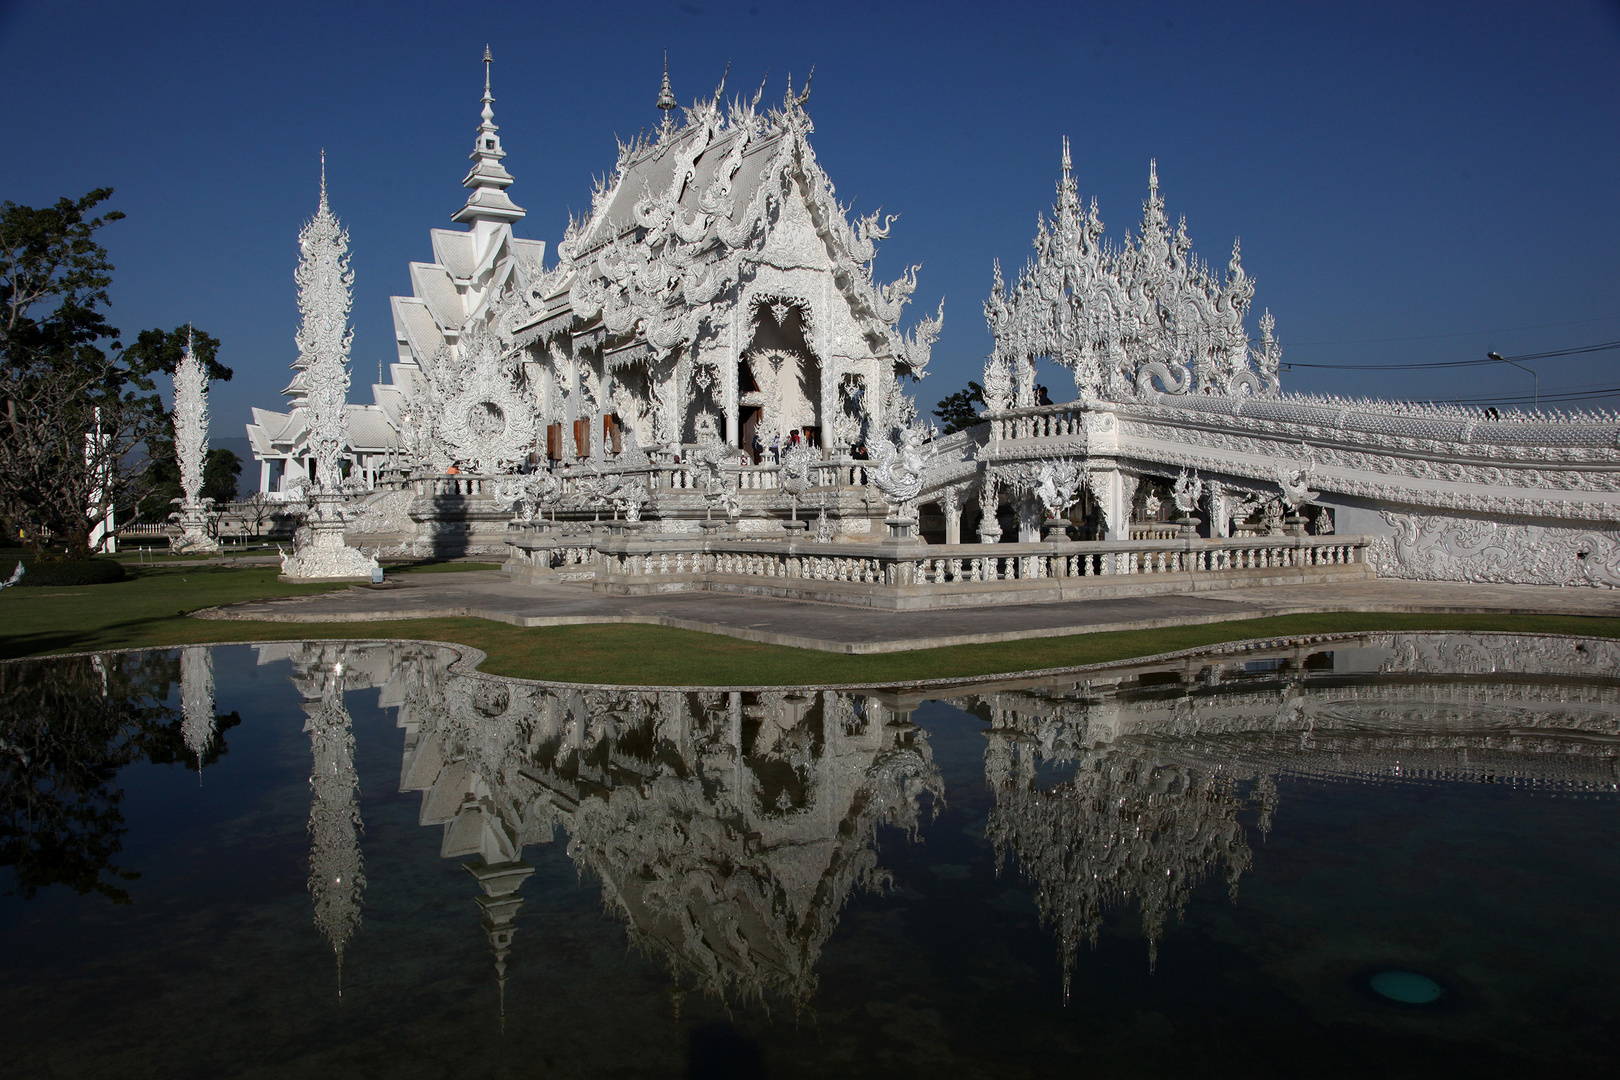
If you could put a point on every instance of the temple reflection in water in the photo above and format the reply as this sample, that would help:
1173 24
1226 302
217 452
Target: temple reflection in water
1130 786
728 829
1275 825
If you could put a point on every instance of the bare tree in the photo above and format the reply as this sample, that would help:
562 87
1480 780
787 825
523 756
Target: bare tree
257 508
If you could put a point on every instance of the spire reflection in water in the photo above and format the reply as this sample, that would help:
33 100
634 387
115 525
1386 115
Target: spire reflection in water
197 701
337 879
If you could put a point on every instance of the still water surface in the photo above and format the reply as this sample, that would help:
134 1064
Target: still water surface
347 860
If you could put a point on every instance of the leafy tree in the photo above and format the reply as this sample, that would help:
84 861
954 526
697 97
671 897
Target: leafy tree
74 404
958 410
219 475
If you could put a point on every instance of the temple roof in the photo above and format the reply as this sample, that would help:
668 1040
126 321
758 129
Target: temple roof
684 214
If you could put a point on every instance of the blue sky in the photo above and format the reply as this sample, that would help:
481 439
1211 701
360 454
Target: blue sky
1412 182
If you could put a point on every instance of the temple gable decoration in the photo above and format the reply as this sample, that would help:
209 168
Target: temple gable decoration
718 273
1141 317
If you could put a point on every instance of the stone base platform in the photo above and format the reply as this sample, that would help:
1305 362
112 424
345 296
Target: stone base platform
857 630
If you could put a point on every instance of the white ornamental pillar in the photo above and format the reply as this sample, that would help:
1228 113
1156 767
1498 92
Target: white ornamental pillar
1109 488
951 501
1219 523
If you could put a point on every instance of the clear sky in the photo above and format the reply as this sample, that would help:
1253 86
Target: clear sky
1412 182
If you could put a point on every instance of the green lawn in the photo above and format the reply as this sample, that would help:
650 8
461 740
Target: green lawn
151 608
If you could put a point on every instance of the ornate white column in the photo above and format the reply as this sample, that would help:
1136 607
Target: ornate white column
989 504
950 499
191 448
1215 500
1114 491
325 294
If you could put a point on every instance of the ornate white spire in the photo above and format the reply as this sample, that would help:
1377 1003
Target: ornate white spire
488 178
190 421
666 98
191 450
325 294
1067 198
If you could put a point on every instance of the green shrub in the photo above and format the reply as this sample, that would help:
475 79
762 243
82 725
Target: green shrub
77 572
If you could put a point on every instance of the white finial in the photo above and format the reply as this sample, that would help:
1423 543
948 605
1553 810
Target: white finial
488 59
323 178
666 96
1067 162
1153 174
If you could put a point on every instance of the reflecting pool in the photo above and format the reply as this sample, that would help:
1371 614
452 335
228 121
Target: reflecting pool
1383 855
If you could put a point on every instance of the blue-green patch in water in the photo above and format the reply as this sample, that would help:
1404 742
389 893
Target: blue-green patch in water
1406 987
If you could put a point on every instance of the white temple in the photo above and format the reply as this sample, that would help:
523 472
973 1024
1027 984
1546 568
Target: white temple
709 365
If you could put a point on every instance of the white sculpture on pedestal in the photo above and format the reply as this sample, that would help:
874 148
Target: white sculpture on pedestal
1057 485
191 447
899 477
325 294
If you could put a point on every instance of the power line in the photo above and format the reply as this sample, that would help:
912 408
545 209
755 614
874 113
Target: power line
1520 399
1604 347
1601 347
1461 333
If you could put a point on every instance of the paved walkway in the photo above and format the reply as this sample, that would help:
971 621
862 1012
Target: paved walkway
836 628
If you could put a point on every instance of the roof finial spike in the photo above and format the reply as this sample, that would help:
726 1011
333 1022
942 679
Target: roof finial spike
721 89
1068 163
1153 174
666 99
666 96
323 178
488 59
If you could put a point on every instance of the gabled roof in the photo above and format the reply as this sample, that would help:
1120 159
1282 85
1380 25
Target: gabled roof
432 285
650 170
414 325
370 429
684 215
453 249
269 424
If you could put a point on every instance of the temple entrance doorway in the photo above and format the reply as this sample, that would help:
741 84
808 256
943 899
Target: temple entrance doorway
781 377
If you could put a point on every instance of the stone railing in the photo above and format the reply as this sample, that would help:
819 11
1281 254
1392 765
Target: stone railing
681 476
463 484
1041 422
923 575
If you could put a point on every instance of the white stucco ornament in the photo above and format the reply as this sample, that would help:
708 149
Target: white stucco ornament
489 417
1188 492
